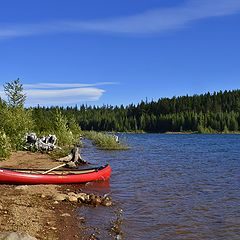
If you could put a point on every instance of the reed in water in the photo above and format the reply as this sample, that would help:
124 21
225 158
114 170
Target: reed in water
105 141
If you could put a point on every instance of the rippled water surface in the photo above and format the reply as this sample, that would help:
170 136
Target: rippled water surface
171 187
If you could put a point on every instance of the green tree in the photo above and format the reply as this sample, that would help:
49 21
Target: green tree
14 92
233 124
14 119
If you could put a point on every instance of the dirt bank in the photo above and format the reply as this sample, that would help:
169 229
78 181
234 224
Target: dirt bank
31 209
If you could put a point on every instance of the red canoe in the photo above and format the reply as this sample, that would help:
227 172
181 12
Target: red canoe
36 176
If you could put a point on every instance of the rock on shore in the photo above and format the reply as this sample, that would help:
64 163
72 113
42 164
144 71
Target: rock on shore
15 236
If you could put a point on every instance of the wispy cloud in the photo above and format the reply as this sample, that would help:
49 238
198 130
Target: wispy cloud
61 94
152 21
65 85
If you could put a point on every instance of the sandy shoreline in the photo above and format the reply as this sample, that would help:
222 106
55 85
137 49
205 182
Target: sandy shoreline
32 210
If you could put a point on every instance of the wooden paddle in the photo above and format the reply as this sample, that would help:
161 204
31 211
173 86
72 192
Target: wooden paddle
62 165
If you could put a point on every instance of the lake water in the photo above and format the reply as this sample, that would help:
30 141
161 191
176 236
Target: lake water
170 187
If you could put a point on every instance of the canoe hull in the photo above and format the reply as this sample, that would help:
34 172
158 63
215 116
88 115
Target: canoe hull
15 177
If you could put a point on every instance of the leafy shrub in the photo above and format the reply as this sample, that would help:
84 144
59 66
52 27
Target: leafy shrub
16 122
61 129
74 128
206 130
5 146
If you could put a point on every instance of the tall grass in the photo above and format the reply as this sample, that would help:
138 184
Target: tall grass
104 141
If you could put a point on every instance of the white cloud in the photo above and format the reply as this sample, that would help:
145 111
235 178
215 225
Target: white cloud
159 20
61 94
65 85
152 21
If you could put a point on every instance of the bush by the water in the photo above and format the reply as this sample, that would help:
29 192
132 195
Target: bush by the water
16 122
104 141
64 135
68 132
5 146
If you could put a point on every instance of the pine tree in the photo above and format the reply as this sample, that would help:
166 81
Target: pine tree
14 92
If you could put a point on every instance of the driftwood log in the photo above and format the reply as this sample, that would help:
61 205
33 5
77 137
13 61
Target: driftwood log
45 143
73 159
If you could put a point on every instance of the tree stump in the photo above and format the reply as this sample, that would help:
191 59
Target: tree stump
74 158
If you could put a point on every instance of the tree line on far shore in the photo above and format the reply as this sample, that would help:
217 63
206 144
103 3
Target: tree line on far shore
205 113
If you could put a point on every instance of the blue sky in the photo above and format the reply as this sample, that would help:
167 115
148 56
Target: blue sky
119 52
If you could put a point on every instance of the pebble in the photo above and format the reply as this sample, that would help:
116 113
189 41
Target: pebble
82 219
16 236
107 203
72 199
118 237
91 199
72 194
79 195
60 197
22 187
65 215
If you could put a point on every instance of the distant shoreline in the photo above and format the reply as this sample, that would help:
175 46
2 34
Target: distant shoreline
183 133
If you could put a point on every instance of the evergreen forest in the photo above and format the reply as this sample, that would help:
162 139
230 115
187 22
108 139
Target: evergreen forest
205 113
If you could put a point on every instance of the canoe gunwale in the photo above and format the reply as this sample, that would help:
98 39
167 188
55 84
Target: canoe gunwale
80 176
63 172
56 170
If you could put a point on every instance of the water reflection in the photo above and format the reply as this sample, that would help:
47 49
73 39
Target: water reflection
101 187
